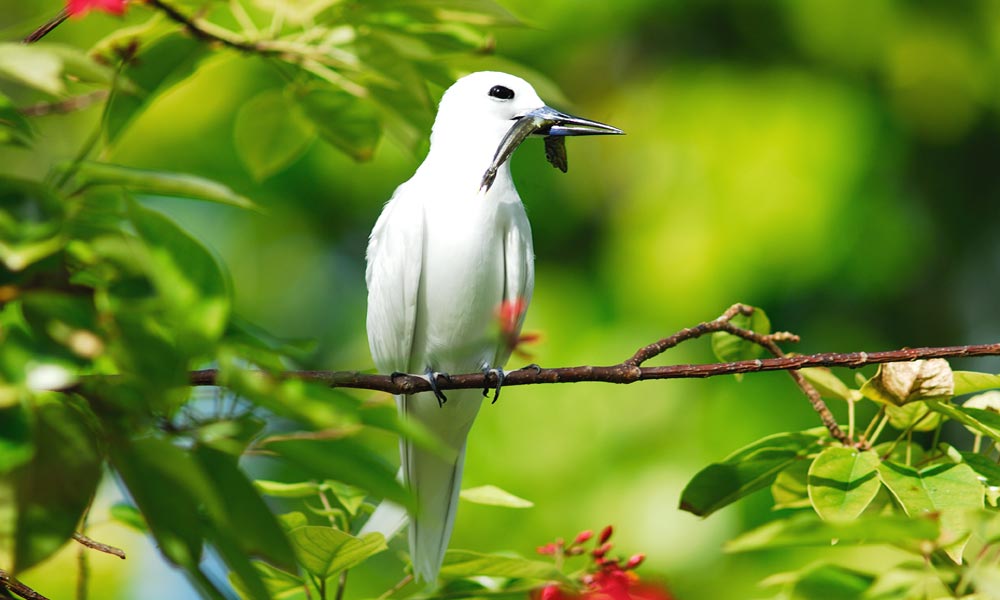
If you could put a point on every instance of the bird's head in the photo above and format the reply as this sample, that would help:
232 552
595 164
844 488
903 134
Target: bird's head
491 113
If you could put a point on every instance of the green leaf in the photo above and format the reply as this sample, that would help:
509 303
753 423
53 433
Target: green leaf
729 348
843 482
187 277
829 385
806 529
160 183
978 420
128 515
746 471
324 551
31 217
265 539
491 495
464 563
985 467
169 487
830 582
270 134
163 63
790 489
280 585
56 487
902 382
277 489
968 382
911 580
16 440
312 403
344 460
913 415
34 66
14 128
293 520
346 122
948 489
348 496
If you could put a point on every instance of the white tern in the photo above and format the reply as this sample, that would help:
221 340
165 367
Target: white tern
452 246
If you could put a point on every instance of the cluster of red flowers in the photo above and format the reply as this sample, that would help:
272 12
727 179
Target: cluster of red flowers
607 578
78 8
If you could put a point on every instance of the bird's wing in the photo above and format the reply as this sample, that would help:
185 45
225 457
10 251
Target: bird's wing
395 257
519 273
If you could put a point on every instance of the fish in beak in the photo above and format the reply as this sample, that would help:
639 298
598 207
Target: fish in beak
551 124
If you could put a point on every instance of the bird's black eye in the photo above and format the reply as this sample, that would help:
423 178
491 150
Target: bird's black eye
501 92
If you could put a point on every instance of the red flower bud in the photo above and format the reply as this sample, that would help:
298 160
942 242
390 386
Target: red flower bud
78 8
546 549
550 592
605 534
635 561
583 536
601 550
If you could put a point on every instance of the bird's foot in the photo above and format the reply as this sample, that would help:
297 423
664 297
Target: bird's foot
534 367
431 376
501 377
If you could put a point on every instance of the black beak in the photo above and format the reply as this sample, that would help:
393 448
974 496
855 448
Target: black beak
548 122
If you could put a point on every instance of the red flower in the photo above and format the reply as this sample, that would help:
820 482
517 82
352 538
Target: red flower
78 8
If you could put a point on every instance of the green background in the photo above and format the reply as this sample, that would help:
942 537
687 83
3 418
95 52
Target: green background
832 162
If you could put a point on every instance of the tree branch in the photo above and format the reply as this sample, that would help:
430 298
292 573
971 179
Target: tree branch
11 583
631 370
100 547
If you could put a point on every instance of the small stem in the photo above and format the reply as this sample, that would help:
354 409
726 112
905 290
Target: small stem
100 547
850 418
341 585
878 430
83 574
49 25
400 585
95 137
976 443
871 424
9 582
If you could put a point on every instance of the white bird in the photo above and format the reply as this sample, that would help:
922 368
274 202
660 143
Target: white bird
452 245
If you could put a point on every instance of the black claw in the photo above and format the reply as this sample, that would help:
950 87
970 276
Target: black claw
501 377
396 374
432 380
532 366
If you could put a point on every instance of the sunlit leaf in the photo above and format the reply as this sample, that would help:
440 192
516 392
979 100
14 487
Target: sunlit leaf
325 551
128 515
903 382
789 489
49 507
968 382
33 66
493 496
910 580
280 585
806 529
464 563
348 496
843 482
746 471
270 133
915 416
947 489
829 385
729 348
277 489
986 422
160 183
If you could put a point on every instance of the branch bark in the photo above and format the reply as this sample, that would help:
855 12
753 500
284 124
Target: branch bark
631 369
9 582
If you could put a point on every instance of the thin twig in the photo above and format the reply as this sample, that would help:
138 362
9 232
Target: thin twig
11 583
100 547
51 24
400 585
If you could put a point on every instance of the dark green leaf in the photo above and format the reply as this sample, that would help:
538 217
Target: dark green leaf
344 460
347 122
348 496
56 487
464 563
843 482
270 133
160 183
831 582
16 443
729 348
312 403
325 551
985 467
172 491
280 585
159 66
265 539
31 217
746 471
14 128
806 529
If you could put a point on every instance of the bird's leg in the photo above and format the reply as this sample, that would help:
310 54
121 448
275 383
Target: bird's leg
430 375
501 377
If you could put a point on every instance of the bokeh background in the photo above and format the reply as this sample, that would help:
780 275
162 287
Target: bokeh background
836 163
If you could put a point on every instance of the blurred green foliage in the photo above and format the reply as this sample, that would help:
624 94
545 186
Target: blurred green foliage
830 161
